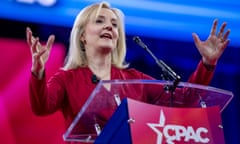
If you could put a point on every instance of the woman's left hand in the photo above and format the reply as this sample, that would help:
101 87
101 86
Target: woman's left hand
212 48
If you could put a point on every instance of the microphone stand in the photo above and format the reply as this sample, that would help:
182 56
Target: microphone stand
168 73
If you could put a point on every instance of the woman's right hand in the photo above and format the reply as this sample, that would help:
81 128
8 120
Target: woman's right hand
40 53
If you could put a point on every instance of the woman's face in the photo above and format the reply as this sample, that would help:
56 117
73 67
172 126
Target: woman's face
101 32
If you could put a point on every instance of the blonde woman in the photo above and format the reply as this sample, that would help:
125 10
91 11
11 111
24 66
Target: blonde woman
97 52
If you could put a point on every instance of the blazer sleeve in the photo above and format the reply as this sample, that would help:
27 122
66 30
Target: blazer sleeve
46 97
202 75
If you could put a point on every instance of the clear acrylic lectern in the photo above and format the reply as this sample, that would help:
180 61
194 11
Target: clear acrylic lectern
107 96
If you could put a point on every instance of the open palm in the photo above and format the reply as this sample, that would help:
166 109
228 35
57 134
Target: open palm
40 53
212 48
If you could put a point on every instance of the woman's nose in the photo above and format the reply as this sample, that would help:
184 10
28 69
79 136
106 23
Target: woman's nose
108 27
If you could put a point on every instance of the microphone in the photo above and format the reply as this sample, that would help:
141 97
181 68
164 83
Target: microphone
94 79
137 40
167 71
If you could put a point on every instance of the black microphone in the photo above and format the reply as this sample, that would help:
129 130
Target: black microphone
137 40
167 71
94 79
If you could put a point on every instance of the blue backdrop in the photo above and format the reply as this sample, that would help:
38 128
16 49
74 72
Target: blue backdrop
165 26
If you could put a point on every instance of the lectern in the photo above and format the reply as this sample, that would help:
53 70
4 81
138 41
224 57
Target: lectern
139 112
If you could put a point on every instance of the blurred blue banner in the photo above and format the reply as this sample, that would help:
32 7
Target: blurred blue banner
170 19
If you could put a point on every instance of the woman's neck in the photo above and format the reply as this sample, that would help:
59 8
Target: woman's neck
101 67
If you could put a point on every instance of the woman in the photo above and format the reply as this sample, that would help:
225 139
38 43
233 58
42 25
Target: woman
97 51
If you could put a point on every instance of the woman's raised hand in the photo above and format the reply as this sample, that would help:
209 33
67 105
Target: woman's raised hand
212 48
40 53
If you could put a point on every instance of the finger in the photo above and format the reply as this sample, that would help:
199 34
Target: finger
214 27
196 38
34 46
50 42
40 53
226 34
223 47
225 44
37 55
222 30
29 36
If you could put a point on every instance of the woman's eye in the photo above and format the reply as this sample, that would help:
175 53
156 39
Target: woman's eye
114 25
99 21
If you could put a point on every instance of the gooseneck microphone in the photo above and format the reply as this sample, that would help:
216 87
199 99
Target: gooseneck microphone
168 73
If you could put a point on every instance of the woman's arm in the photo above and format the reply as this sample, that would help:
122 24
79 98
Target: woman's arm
46 97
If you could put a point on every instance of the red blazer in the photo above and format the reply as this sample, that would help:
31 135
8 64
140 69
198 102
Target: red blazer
68 90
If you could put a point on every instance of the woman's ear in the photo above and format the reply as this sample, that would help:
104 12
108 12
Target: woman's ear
82 42
82 38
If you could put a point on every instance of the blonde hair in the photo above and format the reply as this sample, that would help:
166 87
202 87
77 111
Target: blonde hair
76 56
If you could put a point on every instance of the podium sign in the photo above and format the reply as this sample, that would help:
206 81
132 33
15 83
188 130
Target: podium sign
144 114
136 122
153 124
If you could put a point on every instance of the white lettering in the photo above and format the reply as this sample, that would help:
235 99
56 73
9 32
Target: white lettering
26 1
166 132
173 133
177 132
180 132
202 130
190 134
46 3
